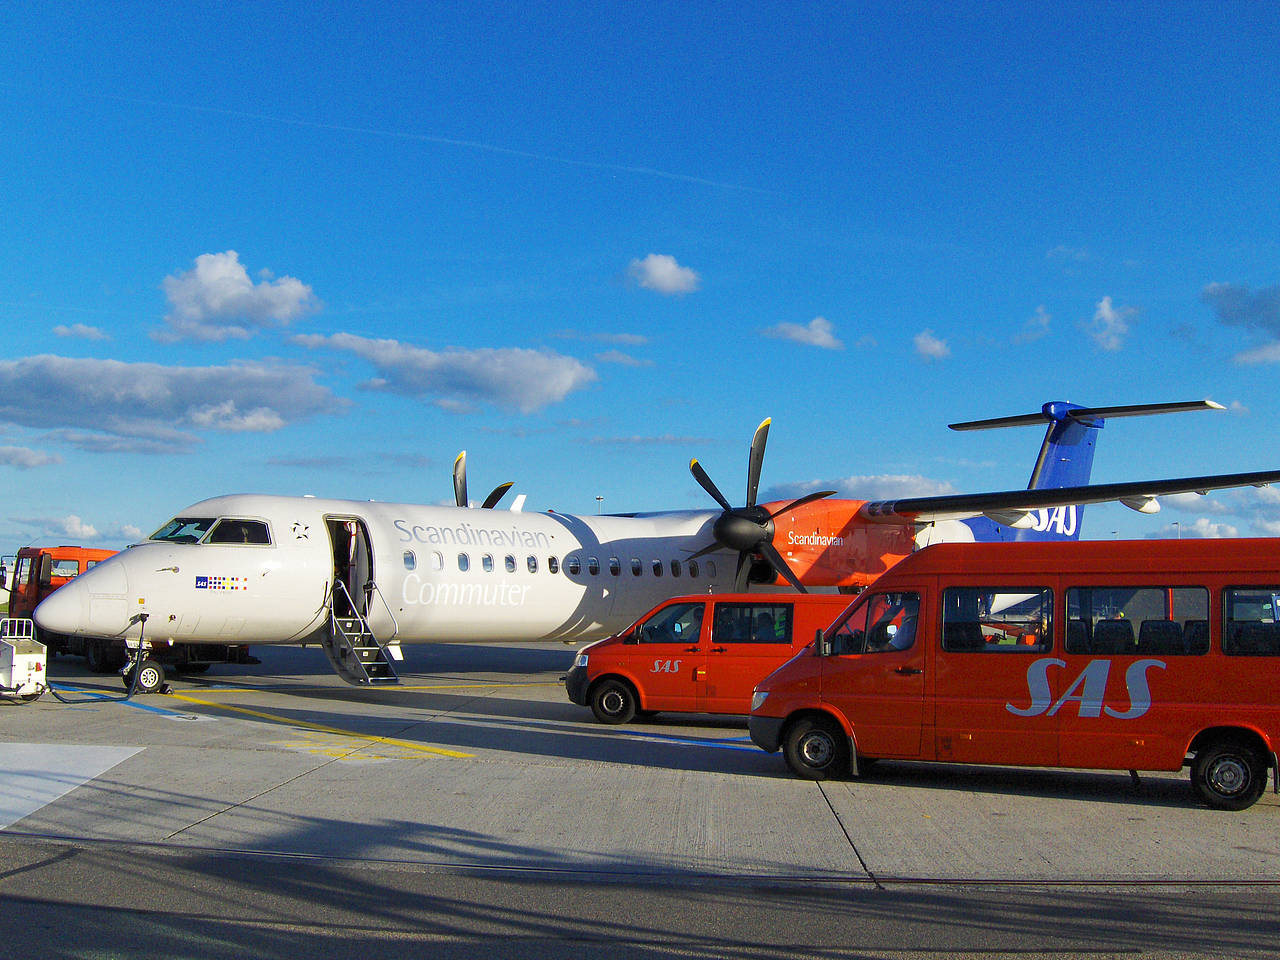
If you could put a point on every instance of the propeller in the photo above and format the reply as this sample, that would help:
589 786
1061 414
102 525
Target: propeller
460 485
749 529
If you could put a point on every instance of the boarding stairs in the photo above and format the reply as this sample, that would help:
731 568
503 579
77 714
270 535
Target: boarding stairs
353 650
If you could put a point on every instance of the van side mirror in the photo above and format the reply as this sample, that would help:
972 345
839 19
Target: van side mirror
822 644
633 636
46 569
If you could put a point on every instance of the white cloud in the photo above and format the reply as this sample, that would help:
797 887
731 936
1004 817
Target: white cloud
1202 529
149 408
818 333
81 331
1036 327
216 300
1267 353
1110 325
884 486
25 458
660 272
622 359
618 339
930 347
510 376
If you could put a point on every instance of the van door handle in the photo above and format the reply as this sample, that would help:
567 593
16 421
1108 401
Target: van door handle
690 649
719 649
908 671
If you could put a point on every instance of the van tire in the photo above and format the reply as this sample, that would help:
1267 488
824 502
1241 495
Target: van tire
1229 775
98 658
816 748
613 701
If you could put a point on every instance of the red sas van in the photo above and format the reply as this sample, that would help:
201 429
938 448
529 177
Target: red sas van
1113 655
696 654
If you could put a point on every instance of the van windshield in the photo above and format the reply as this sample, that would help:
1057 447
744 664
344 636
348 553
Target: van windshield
184 529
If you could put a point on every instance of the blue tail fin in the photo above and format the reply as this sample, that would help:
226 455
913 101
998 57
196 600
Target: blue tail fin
1065 460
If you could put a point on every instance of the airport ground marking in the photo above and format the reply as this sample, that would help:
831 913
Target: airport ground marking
321 728
97 696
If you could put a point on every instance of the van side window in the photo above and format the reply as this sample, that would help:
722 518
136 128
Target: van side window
751 623
678 623
997 619
882 623
1251 621
1138 621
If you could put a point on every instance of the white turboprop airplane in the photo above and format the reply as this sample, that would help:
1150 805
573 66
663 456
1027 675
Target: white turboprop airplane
360 578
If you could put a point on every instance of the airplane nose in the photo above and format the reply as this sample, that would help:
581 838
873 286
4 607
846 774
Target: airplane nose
75 608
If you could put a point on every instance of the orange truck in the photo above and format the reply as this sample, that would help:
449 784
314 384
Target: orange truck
697 654
1108 655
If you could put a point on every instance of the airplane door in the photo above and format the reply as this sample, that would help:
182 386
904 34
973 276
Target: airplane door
352 566
671 666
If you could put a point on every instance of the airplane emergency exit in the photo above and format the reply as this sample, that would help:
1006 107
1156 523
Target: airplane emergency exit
361 578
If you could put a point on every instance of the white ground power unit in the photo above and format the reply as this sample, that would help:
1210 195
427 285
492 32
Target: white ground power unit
22 660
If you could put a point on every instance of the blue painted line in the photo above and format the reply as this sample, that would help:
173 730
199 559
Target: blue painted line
99 697
734 743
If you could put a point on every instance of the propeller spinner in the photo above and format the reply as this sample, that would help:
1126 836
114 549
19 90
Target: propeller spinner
749 529
460 485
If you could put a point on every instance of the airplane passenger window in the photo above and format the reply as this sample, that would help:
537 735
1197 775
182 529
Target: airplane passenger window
464 562
410 560
657 568
615 566
553 565
636 568
711 569
593 566
532 563
437 561
510 563
487 562
675 568
693 568
572 566
240 531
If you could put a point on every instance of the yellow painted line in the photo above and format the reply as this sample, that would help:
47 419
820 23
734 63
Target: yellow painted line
305 724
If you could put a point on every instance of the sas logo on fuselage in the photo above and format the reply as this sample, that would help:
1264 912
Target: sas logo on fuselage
222 583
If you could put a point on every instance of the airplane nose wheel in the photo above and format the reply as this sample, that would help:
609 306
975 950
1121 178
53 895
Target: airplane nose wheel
150 677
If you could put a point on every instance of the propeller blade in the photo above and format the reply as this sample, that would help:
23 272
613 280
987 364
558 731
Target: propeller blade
770 553
741 574
809 498
460 479
495 495
756 460
705 482
711 548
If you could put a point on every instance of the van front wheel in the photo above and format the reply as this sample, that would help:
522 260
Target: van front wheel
816 748
1229 775
612 701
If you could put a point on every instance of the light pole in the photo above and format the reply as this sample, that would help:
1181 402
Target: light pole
599 503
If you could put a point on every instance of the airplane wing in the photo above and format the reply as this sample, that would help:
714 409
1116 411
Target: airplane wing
1011 507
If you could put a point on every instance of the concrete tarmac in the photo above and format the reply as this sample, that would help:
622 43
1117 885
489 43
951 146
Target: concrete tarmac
475 810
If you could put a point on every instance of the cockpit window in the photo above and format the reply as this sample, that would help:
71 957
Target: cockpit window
240 531
184 529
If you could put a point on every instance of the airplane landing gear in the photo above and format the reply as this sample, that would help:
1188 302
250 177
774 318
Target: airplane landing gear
150 677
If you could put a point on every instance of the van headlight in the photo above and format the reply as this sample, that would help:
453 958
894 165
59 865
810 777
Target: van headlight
758 698
580 660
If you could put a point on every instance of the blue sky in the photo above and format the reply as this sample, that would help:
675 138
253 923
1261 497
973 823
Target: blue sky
320 248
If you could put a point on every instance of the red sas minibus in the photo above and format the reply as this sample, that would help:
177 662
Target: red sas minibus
1110 655
697 654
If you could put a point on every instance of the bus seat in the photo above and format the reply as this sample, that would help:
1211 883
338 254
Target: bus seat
965 635
1253 639
1196 634
1161 636
1113 636
1077 636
